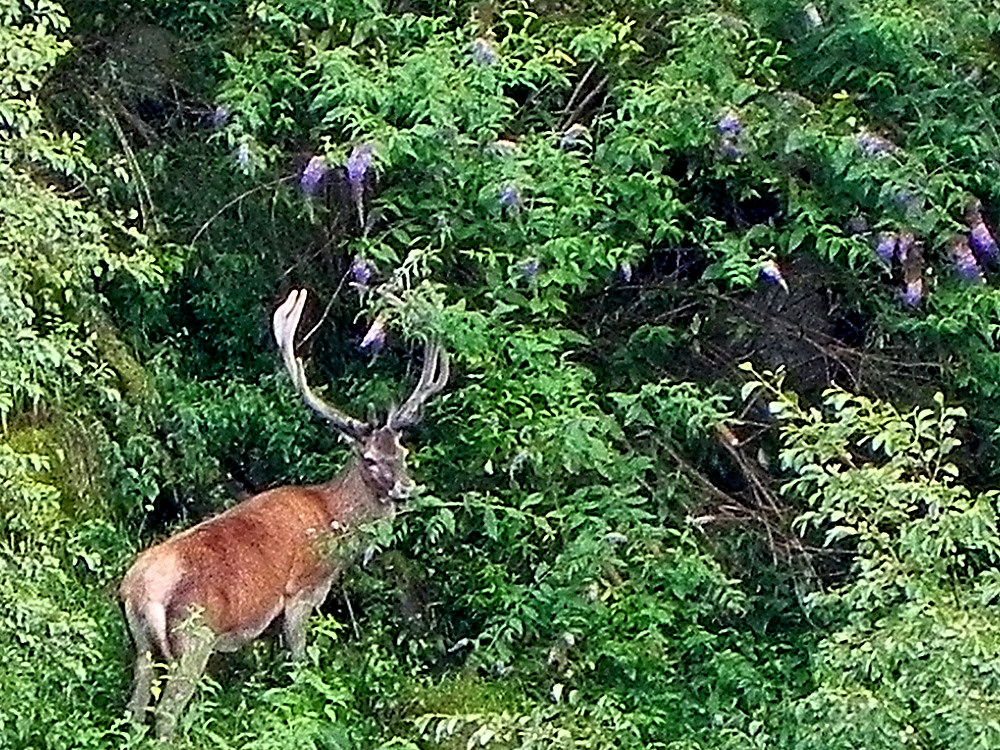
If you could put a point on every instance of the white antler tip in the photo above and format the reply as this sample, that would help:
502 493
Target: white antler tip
286 317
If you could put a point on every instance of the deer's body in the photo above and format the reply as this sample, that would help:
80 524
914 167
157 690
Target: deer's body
219 584
240 569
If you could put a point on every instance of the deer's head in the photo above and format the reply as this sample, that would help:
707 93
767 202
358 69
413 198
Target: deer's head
380 455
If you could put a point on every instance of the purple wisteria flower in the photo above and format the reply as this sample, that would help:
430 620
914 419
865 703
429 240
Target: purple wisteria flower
510 197
362 270
964 260
529 268
730 130
910 255
913 292
770 272
729 124
730 149
313 174
872 144
982 242
625 271
484 52
575 135
374 340
243 156
358 163
220 116
886 247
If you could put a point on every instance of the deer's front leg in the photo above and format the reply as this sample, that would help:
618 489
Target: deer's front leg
298 607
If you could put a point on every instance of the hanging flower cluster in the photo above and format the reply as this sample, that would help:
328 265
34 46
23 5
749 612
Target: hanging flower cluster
625 271
970 255
965 262
981 240
529 268
913 292
910 255
886 247
313 174
510 197
362 270
730 131
358 163
243 156
904 244
899 247
220 117
374 340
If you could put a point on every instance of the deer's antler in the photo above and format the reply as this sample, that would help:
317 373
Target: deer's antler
433 378
286 321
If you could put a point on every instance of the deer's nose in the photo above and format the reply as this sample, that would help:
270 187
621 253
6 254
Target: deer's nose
402 489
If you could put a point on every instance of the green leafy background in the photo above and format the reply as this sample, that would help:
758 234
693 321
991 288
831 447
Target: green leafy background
668 502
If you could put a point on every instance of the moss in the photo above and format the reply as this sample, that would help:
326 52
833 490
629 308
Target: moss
133 382
72 460
463 694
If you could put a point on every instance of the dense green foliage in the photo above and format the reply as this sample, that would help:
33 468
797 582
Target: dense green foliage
714 467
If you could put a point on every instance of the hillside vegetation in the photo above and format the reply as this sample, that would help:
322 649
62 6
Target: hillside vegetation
715 469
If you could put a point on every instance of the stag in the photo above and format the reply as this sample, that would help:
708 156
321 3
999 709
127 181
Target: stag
217 585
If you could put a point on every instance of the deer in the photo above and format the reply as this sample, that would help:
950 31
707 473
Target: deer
219 584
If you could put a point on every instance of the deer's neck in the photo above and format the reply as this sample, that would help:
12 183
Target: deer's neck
351 500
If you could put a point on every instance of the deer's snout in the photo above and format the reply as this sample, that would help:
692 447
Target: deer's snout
402 489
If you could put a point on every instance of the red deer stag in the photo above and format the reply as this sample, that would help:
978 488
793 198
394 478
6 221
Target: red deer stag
217 585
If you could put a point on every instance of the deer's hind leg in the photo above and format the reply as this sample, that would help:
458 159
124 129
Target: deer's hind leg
195 643
143 676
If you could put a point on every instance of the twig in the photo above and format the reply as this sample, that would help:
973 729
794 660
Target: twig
137 122
329 305
147 213
692 473
579 88
234 201
583 104
350 612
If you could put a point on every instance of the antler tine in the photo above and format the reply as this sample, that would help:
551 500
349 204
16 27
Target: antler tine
286 321
433 377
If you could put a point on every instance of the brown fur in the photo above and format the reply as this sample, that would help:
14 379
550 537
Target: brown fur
242 563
